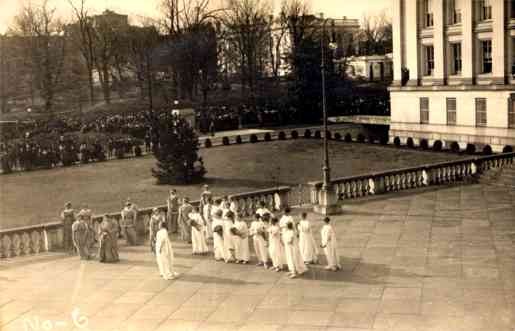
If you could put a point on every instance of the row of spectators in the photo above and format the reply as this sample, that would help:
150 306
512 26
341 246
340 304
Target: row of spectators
30 154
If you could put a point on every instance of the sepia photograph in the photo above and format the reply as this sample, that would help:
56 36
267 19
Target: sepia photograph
257 165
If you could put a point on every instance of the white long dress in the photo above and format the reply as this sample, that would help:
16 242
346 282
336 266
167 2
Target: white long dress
198 239
218 241
283 224
241 244
275 247
259 243
164 255
228 240
206 212
293 258
330 245
307 244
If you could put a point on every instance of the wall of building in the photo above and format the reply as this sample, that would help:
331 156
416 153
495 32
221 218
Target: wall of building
405 120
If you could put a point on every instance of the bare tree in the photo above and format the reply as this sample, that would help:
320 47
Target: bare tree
82 35
249 28
375 35
44 39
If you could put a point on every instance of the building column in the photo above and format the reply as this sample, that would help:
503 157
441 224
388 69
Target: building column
397 42
412 50
498 43
439 42
468 51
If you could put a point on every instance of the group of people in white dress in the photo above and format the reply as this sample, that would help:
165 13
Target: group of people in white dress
279 243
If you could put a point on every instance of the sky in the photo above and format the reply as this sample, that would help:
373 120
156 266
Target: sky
149 8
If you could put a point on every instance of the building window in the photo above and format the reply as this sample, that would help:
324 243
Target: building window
480 111
454 13
428 13
424 110
511 112
451 111
485 10
456 58
486 56
429 54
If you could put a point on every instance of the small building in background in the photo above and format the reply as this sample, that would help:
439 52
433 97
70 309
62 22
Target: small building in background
371 68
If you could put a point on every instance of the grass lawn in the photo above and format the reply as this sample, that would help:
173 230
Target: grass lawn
39 196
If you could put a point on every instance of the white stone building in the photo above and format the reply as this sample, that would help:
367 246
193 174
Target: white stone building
367 67
454 72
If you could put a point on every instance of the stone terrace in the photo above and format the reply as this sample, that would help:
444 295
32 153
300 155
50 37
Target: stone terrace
433 259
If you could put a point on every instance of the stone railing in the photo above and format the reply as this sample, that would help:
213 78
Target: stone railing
31 239
414 177
49 236
247 203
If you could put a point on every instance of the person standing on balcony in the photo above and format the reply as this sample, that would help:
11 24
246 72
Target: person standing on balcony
108 247
208 218
198 239
164 254
68 217
173 211
307 244
184 222
81 237
291 247
128 224
330 245
154 225
218 236
258 233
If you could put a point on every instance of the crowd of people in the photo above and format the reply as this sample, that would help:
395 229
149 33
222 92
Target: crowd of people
279 243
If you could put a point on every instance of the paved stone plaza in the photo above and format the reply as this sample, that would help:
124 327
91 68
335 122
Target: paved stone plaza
436 259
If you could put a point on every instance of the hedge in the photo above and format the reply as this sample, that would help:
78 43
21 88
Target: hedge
307 133
437 146
282 135
207 143
225 141
397 141
318 134
487 150
410 143
471 149
294 134
424 144
253 138
361 138
348 138
238 139
507 149
268 137
455 147
337 136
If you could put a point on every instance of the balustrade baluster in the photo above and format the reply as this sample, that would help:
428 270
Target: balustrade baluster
16 244
25 243
371 186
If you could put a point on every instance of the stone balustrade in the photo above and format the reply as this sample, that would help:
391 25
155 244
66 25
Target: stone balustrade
31 239
49 236
275 199
414 177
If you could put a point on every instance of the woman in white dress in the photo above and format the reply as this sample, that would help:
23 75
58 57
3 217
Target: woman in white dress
258 232
307 244
329 244
291 247
275 247
198 239
228 237
218 239
241 242
164 254
206 213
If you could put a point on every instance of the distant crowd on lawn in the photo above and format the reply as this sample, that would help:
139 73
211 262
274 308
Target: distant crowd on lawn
279 243
68 140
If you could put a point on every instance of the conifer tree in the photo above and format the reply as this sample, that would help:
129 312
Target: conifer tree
177 154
